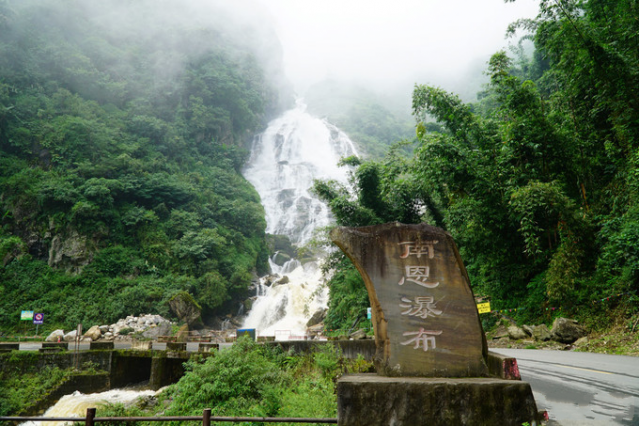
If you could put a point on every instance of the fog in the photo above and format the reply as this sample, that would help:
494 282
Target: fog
392 44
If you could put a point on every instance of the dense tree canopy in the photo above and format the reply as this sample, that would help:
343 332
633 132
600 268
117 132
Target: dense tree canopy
537 180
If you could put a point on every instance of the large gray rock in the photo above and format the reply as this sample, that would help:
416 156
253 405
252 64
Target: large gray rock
566 330
162 329
541 333
55 336
70 336
70 252
516 333
187 310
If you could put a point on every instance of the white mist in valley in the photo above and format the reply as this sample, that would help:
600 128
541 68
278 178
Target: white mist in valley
287 157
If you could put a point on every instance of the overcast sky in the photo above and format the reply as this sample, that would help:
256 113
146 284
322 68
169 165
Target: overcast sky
391 42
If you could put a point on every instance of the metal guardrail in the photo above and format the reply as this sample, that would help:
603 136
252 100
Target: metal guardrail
205 418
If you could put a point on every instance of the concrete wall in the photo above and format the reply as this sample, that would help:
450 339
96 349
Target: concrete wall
120 368
83 383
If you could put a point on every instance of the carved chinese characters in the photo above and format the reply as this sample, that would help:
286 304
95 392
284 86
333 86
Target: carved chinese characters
424 314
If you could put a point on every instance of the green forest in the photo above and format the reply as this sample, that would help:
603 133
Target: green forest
123 127
537 181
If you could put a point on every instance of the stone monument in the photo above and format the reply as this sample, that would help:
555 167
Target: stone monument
432 362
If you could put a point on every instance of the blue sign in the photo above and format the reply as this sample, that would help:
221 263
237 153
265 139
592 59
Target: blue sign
38 319
246 331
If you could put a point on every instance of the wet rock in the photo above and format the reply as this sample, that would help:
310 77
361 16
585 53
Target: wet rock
516 333
280 258
565 330
284 280
317 317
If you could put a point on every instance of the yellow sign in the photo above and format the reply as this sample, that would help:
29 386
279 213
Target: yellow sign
483 308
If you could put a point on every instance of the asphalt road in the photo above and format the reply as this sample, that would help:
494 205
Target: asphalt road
579 388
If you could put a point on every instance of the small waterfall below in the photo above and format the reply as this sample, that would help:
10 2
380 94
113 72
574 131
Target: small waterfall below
76 404
286 158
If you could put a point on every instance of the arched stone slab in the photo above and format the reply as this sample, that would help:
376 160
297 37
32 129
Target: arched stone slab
423 310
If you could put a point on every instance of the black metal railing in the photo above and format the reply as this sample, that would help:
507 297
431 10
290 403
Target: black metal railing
205 419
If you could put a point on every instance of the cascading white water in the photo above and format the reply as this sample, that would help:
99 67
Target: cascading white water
76 404
295 149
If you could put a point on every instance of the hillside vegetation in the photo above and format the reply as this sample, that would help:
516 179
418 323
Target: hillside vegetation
537 181
123 127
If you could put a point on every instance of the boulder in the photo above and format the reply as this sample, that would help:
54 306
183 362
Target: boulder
187 310
55 336
94 333
280 258
565 330
528 330
317 317
516 333
282 243
162 329
284 280
541 333
70 336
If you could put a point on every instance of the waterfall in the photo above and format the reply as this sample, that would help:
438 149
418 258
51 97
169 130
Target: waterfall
286 158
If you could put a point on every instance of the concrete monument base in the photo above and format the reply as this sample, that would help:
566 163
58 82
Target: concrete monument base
372 400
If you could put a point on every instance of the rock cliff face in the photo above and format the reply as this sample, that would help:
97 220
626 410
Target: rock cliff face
70 252
65 248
